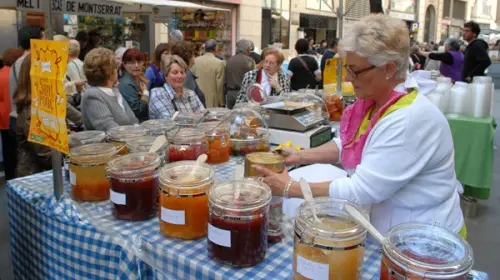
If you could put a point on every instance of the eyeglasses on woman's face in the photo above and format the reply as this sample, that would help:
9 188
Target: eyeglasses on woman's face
353 74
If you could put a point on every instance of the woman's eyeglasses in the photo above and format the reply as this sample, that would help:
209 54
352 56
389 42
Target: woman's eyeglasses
356 73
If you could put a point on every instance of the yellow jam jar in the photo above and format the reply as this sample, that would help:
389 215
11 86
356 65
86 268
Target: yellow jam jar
87 172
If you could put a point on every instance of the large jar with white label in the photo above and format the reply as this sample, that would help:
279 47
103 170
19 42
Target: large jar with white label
134 186
183 199
238 222
87 171
330 247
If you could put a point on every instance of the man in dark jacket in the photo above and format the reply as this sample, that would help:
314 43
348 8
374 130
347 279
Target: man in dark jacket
476 59
236 67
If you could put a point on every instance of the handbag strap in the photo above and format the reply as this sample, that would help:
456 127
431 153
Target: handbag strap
305 66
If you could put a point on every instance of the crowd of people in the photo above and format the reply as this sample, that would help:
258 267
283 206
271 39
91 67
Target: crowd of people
453 58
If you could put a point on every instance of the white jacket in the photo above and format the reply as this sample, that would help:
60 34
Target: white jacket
407 171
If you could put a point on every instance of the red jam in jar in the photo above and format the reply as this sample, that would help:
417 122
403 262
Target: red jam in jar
422 251
134 186
186 144
238 222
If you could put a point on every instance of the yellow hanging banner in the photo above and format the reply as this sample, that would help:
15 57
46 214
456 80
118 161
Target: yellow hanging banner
49 60
330 77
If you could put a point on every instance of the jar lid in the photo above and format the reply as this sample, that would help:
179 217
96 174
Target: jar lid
90 151
133 164
336 223
143 144
217 113
159 126
85 137
214 128
185 134
187 118
186 174
253 195
265 158
256 94
126 132
428 250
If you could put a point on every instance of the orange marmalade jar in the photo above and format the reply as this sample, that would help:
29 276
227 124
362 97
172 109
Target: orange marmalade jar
183 199
217 135
334 106
87 171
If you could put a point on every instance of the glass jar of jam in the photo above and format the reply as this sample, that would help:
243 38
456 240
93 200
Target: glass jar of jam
121 134
183 199
158 127
134 186
422 251
335 106
87 171
238 222
248 132
186 144
216 114
276 163
81 138
331 248
143 144
218 141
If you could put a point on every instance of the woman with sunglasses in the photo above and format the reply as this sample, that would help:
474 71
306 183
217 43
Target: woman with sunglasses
395 145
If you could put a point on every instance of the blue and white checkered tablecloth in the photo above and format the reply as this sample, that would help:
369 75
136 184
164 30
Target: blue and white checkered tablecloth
63 240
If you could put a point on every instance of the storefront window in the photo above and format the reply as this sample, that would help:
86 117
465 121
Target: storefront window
405 6
275 25
272 4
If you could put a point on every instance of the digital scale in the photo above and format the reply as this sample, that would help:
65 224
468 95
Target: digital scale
291 121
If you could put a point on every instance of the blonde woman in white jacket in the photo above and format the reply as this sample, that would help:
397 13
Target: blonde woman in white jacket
395 144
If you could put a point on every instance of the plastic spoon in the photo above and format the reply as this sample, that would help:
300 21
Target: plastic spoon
364 222
174 116
306 191
191 176
158 143
239 171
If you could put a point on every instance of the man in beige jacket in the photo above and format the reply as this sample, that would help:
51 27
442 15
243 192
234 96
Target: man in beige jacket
210 73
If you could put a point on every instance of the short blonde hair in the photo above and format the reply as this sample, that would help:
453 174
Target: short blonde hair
99 66
167 60
61 38
380 39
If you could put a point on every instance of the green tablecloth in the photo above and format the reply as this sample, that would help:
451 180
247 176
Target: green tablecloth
473 141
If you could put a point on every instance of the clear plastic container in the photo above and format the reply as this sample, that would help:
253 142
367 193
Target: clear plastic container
158 127
143 144
216 114
184 200
460 99
332 248
238 222
134 186
186 144
121 134
217 134
248 132
423 251
87 171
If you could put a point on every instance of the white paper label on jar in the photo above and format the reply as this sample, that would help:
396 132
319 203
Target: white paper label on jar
176 217
219 236
117 198
72 178
312 270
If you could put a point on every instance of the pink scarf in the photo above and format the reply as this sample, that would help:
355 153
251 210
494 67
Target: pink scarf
352 118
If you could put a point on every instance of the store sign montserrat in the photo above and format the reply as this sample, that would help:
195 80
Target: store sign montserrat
78 7
48 96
